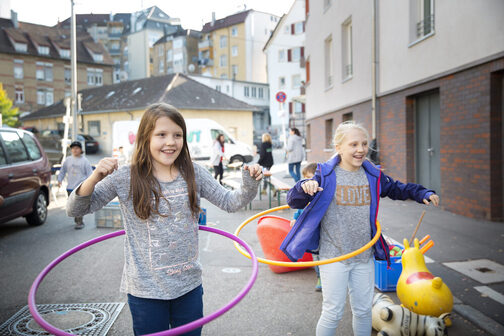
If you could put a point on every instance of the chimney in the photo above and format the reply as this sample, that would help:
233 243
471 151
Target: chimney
213 19
14 19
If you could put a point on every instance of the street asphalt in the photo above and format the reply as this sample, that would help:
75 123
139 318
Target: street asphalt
278 304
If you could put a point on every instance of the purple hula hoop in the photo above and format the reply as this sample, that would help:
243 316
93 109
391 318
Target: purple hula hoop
175 331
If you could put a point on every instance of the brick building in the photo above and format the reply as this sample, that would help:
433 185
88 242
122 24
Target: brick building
35 63
438 91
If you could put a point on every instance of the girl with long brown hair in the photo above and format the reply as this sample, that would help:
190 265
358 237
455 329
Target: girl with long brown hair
159 195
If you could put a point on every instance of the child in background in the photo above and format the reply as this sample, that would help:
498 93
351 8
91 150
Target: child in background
266 155
341 203
308 172
217 157
160 195
78 168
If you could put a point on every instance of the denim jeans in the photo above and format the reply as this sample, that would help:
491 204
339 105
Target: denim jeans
152 315
336 277
294 171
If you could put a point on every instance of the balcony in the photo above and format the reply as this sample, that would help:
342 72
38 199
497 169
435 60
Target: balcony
205 44
205 62
114 51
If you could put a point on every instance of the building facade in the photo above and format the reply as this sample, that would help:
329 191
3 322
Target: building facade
232 47
286 69
435 102
35 63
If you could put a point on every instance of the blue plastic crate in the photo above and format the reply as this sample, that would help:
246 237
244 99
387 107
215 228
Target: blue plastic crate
386 279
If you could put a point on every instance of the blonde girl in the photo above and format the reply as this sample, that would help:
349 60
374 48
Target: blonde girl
343 199
160 195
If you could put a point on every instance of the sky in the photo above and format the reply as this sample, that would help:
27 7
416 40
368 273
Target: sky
192 13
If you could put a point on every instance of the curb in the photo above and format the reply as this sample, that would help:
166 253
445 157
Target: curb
479 319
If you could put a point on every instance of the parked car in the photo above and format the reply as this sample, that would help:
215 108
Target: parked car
25 176
51 141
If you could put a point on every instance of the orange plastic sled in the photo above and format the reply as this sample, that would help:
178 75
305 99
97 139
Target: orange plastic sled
271 231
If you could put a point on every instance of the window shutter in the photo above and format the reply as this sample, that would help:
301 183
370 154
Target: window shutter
289 55
304 23
303 108
307 7
293 29
302 52
290 107
307 69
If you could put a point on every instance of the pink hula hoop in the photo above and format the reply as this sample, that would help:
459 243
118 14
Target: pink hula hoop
175 331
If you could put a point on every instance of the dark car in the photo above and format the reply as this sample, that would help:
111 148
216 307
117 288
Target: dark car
25 176
92 145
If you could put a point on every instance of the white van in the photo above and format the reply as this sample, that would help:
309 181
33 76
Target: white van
201 134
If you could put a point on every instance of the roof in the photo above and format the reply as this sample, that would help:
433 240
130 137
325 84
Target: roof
274 33
88 20
175 89
55 38
226 22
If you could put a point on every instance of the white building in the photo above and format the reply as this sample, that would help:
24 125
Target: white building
285 58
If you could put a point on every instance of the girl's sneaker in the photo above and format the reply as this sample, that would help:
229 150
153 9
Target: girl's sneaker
318 286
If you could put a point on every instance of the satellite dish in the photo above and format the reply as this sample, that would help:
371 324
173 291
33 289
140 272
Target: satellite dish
191 68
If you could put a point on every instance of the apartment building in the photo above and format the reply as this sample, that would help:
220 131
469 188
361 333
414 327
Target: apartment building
286 69
176 52
428 86
35 63
232 47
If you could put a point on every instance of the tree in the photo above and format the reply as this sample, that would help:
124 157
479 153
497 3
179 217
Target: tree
9 114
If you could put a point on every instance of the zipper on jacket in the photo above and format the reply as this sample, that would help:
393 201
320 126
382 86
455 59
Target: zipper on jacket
387 256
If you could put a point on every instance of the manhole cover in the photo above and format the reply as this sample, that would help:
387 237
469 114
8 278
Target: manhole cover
90 319
481 270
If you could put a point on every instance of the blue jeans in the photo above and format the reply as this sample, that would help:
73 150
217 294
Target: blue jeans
336 278
152 315
295 170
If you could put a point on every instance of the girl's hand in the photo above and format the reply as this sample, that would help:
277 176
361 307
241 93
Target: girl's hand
105 167
432 198
255 171
311 187
292 222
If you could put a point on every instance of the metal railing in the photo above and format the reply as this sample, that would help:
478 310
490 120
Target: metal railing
425 26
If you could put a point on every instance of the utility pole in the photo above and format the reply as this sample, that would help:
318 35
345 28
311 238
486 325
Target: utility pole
73 51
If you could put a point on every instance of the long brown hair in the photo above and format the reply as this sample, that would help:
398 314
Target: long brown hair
143 183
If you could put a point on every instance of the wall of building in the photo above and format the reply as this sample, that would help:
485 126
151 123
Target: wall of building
138 55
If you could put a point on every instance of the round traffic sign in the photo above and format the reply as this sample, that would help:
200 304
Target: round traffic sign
281 96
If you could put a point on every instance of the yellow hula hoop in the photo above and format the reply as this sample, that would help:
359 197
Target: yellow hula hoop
302 263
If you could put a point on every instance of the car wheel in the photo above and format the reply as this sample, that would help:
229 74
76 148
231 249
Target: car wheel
237 158
39 213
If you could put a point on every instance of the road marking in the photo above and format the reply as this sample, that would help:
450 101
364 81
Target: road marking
487 291
231 270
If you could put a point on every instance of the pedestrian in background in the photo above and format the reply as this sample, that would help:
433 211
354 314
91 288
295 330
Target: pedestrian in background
160 195
217 157
266 154
341 203
295 153
76 168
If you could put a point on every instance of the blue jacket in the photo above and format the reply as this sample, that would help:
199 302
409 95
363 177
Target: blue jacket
304 235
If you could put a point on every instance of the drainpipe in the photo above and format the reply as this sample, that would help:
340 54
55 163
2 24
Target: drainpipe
373 72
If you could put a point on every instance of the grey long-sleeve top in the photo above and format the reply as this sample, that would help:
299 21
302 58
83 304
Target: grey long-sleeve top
161 253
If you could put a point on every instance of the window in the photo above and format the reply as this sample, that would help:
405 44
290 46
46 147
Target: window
234 31
169 55
281 55
33 150
223 41
160 51
254 91
43 50
224 76
422 14
18 69
234 51
328 133
44 71
223 60
281 82
68 76
218 88
347 116
328 62
15 149
296 81
234 69
64 53
21 47
298 107
298 28
287 30
178 43
94 128
295 54
68 93
45 96
19 94
246 91
161 66
346 49
49 97
95 76
98 57
260 93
